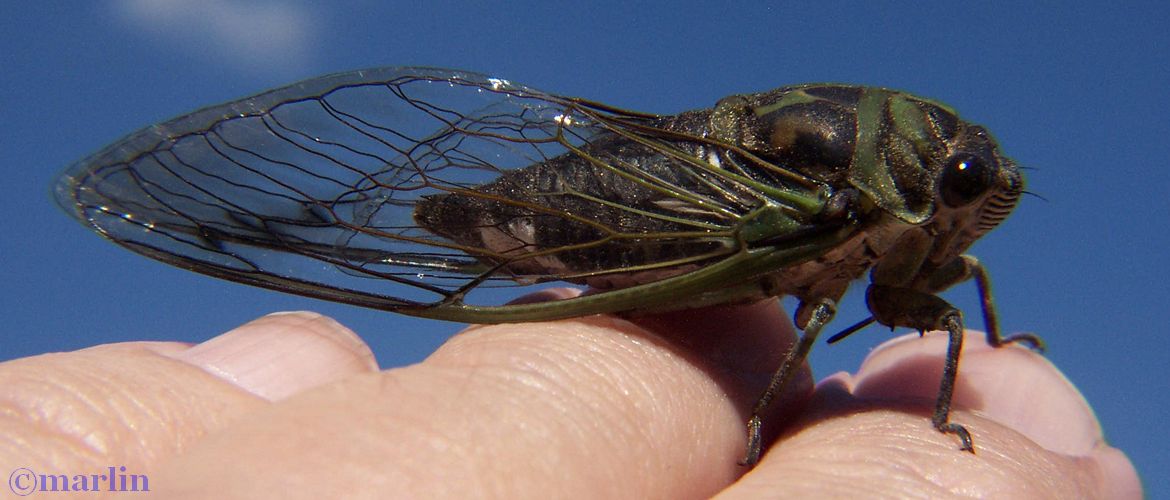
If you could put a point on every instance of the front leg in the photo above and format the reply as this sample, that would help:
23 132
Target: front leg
896 306
966 267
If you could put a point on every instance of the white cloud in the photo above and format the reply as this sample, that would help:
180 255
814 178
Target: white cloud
257 35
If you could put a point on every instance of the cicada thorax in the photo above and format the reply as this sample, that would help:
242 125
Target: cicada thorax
810 130
887 144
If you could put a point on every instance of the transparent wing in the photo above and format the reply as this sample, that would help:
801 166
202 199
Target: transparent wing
405 187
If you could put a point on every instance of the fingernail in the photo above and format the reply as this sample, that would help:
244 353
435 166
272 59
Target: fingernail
282 354
547 295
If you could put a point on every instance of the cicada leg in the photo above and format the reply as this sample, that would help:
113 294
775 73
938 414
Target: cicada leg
899 306
822 313
946 388
967 267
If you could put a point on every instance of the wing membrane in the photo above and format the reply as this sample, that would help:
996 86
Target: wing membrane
404 187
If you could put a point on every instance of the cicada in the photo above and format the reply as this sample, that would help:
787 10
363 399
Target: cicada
419 190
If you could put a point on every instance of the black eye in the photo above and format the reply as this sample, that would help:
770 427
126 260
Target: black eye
965 178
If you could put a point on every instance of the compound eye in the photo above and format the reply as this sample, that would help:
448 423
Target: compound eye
965 178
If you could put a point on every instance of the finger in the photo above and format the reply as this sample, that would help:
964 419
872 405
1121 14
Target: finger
282 354
132 404
870 433
1011 385
596 406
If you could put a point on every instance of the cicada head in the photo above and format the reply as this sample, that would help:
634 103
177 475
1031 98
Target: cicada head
955 183
935 172
976 188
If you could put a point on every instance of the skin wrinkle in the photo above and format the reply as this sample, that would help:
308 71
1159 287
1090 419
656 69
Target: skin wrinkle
553 430
647 398
539 375
462 442
75 415
546 376
930 459
419 426
72 424
531 368
613 384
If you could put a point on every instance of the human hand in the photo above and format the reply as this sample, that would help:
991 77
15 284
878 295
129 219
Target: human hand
293 405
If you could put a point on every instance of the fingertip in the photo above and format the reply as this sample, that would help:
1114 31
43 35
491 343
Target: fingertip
281 354
1119 477
877 421
1011 385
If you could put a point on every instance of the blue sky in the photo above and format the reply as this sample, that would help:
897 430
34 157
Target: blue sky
1072 90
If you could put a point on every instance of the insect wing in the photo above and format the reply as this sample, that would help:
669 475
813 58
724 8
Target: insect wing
315 189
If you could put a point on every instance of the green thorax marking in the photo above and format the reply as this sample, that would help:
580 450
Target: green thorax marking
889 153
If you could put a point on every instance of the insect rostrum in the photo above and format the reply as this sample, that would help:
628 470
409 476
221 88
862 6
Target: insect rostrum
415 190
